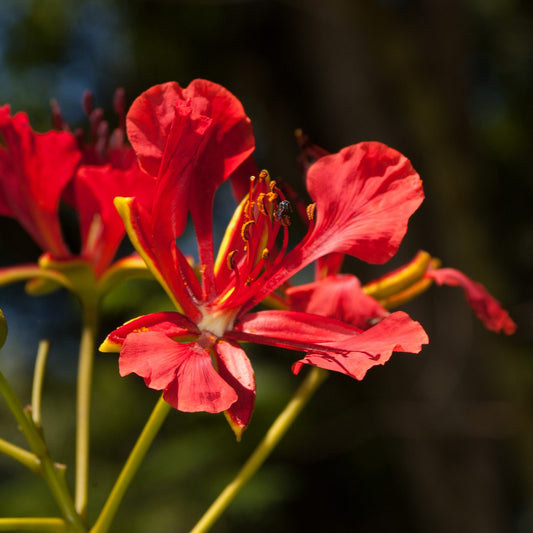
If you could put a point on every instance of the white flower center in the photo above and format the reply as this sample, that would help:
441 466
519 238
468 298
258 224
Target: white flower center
217 322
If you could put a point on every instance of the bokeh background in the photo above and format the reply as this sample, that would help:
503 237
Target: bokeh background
440 442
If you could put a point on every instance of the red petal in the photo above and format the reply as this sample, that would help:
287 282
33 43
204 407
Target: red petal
364 197
101 227
35 169
183 370
192 139
291 329
395 333
332 344
234 366
337 297
487 308
153 356
173 325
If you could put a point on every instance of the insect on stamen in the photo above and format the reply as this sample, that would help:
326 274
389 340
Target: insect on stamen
283 212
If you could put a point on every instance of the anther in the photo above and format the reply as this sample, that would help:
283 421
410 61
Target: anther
230 260
265 254
310 211
245 231
263 175
272 197
261 203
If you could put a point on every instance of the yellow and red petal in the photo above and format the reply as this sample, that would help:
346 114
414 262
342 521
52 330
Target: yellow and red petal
173 325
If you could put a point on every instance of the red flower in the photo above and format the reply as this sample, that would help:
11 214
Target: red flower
193 139
39 170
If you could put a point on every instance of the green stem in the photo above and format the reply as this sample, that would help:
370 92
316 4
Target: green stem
280 426
28 459
53 474
53 525
38 377
83 404
135 459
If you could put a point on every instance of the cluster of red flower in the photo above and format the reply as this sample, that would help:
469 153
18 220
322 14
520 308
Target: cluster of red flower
185 143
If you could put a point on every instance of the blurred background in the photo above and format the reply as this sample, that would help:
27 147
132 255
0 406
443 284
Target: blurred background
440 442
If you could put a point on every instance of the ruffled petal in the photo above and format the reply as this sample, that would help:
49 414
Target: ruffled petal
234 366
396 333
364 197
184 371
485 306
332 344
173 325
339 297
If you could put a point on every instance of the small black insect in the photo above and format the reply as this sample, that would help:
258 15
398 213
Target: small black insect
283 212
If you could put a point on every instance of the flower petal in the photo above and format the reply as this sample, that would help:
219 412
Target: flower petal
486 307
339 297
94 189
173 325
35 169
192 139
152 356
332 344
395 333
176 278
184 371
234 366
364 197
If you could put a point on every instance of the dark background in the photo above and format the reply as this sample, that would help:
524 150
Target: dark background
439 442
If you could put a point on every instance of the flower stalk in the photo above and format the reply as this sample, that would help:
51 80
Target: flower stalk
38 377
83 404
271 439
150 430
51 525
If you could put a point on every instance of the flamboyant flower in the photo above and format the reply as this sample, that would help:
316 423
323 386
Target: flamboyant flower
37 172
191 140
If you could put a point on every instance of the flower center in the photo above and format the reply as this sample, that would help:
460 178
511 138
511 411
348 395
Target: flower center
217 322
249 250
